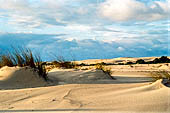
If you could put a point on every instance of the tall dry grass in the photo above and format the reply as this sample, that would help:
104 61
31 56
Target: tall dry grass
23 57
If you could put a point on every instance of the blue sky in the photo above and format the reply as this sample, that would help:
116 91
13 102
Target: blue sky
86 29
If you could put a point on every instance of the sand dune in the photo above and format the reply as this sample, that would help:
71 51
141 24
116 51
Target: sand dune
16 77
73 76
84 91
164 67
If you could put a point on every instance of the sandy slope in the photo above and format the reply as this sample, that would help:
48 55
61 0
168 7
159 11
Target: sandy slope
85 91
115 97
15 77
73 76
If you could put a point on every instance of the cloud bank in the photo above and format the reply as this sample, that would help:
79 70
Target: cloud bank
128 10
48 45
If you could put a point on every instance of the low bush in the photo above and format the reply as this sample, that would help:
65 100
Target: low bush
82 64
65 64
107 70
163 59
160 75
129 63
121 64
99 66
140 61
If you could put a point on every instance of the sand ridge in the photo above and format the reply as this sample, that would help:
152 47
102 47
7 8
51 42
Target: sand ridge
18 77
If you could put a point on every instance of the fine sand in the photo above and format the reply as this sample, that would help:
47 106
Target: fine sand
73 90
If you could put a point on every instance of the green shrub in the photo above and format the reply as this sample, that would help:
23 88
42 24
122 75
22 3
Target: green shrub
140 61
129 63
121 64
82 64
163 59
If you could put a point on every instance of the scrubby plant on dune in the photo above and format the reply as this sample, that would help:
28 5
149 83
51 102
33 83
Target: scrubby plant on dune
160 75
6 60
60 62
23 57
140 61
65 64
99 66
106 70
41 67
18 57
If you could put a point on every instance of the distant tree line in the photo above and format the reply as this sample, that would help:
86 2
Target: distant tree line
163 59
68 64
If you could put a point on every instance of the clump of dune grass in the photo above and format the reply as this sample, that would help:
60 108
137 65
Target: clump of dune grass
40 66
6 60
23 57
160 75
18 57
106 70
99 66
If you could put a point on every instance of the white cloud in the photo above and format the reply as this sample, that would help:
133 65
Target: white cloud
78 27
31 14
124 10
120 49
48 12
14 4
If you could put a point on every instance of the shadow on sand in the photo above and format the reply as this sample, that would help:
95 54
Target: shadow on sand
73 77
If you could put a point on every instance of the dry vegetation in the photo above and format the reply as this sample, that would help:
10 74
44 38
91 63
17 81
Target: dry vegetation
23 57
160 75
105 69
64 64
